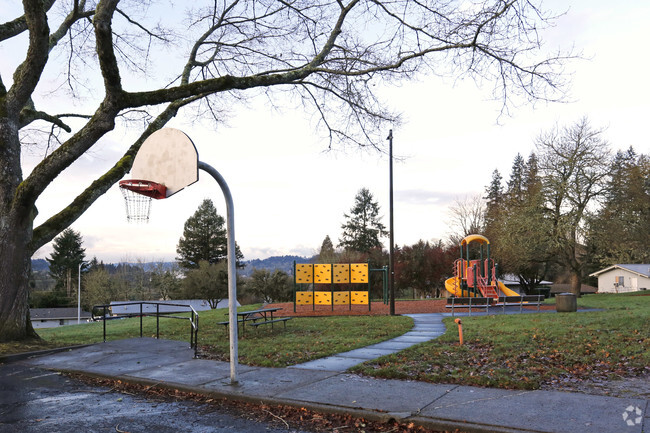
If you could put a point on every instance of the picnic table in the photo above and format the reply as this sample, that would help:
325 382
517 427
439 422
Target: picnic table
262 316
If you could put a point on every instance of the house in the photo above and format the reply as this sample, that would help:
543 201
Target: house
623 278
53 317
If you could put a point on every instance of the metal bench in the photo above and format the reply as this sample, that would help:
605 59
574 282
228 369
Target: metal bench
469 302
521 300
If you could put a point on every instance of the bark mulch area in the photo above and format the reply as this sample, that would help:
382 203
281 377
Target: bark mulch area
376 309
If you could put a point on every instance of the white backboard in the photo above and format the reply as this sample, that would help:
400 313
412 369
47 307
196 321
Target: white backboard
167 157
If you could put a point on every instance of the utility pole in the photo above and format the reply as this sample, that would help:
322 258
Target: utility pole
391 256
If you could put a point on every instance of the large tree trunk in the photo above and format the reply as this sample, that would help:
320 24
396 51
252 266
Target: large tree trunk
16 222
576 283
15 263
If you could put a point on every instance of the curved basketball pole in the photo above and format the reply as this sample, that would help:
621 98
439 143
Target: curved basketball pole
232 262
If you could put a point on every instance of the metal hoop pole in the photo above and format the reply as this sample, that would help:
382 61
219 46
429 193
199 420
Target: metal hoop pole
232 262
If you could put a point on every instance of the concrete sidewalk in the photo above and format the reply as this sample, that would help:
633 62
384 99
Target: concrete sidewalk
170 364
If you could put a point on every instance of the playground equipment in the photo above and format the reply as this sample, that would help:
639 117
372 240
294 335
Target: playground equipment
332 274
477 277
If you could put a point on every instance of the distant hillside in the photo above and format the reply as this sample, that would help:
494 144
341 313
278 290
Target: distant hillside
40 265
283 263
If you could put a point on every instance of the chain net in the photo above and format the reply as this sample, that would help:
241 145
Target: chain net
138 206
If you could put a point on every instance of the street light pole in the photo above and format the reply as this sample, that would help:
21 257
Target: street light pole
79 296
391 259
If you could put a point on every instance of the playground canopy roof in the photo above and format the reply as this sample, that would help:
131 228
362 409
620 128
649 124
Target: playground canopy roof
472 238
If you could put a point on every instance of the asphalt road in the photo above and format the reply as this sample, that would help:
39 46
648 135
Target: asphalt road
36 400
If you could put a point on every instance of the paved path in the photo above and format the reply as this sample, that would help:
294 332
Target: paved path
166 363
425 327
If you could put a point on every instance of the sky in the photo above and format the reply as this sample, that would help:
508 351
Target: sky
289 192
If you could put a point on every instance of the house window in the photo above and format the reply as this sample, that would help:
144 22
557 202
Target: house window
619 281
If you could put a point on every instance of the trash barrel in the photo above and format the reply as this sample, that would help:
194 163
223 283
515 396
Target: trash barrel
566 303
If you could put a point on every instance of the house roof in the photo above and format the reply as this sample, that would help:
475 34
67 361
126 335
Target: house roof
643 270
55 313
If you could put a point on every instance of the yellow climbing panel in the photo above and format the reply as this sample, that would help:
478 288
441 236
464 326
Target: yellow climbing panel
323 298
304 273
304 298
341 298
359 298
359 273
323 273
341 273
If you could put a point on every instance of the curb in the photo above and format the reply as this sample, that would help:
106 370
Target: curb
355 412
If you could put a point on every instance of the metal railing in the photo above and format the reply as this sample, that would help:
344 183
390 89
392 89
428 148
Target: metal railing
193 318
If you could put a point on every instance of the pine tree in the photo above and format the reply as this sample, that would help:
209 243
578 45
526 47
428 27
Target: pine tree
493 203
204 238
620 231
363 228
516 181
66 257
327 253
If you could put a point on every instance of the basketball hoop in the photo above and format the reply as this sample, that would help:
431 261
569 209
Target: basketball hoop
137 198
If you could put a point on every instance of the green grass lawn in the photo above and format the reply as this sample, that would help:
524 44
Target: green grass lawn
303 339
528 350
516 351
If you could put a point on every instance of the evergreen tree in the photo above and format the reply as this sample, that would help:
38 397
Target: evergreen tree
493 203
532 182
66 257
204 238
363 228
327 253
519 233
620 231
516 181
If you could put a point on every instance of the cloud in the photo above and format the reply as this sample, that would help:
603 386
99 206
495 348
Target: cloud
429 197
